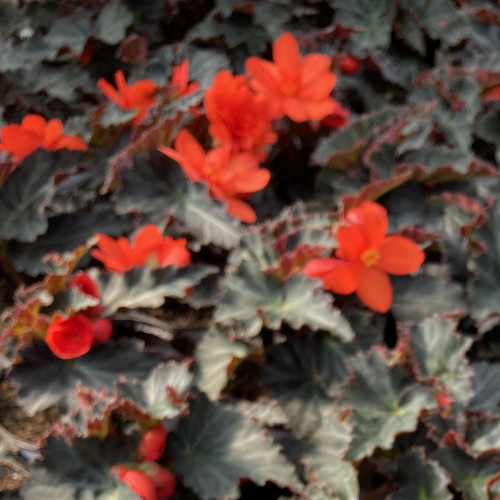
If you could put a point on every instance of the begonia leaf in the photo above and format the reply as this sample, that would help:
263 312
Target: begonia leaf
324 460
24 197
214 354
419 478
371 22
214 447
484 287
71 32
304 375
145 287
458 102
163 394
63 85
28 257
487 127
113 20
81 469
342 148
159 189
440 352
486 388
483 433
416 297
469 475
252 299
27 53
385 401
45 380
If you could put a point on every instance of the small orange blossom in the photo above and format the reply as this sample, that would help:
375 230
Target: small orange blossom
295 86
365 255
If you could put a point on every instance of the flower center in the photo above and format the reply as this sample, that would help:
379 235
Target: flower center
370 257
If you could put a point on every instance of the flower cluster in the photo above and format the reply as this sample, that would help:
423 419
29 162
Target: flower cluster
241 109
149 247
364 256
35 132
73 337
147 478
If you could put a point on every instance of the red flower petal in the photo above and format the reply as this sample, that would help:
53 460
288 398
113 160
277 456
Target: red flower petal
399 255
286 55
351 242
375 289
345 278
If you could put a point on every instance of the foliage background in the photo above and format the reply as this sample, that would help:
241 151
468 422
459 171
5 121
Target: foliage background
270 388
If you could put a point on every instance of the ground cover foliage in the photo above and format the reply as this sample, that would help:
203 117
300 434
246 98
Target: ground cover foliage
215 357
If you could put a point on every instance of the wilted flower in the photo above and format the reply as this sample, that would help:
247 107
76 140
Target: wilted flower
364 256
138 96
149 247
228 176
35 132
295 86
238 117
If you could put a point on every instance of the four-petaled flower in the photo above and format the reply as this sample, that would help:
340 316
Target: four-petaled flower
70 338
364 256
295 86
238 117
228 176
138 96
35 132
149 247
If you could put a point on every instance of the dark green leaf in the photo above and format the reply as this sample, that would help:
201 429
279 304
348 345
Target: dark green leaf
71 31
486 388
468 474
440 352
81 469
483 433
163 394
417 297
214 447
385 401
324 460
419 479
145 287
45 380
342 148
24 197
252 298
484 288
304 374
113 21
28 257
214 353
371 21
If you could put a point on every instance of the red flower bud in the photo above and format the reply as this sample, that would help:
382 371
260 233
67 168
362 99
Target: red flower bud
349 65
85 284
164 481
103 329
153 443
139 482
70 338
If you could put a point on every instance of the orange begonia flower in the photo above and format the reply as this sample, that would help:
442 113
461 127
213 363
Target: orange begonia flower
295 86
238 117
149 247
138 96
180 79
229 177
35 132
365 255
